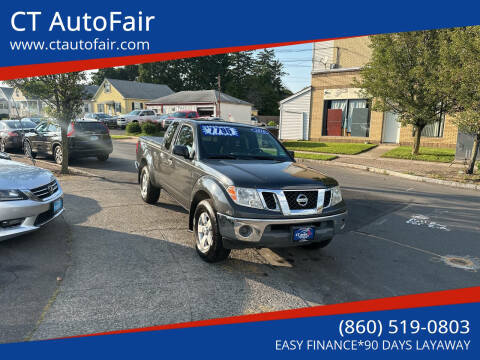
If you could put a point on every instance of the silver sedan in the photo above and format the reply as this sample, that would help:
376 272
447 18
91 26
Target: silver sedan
29 198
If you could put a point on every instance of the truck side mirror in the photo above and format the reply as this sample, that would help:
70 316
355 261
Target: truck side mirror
181 150
291 153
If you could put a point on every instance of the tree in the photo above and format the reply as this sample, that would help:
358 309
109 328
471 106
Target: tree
129 72
461 76
403 76
63 94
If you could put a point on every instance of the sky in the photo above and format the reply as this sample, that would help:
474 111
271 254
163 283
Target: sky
297 61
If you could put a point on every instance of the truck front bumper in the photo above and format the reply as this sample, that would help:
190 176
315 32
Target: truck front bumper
240 233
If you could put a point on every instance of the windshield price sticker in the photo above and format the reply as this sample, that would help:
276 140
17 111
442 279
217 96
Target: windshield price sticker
214 130
260 131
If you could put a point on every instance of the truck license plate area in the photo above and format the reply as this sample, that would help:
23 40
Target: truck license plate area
306 233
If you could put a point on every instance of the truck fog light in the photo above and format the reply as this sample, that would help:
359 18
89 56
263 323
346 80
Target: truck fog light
245 231
11 222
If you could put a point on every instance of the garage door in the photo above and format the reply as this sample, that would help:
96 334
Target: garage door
294 125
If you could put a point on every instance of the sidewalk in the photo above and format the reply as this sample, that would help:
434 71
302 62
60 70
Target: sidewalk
434 170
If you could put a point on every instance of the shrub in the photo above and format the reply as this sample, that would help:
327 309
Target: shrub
134 128
149 128
272 123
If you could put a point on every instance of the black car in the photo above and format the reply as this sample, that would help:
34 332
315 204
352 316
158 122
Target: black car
85 139
108 120
12 132
241 187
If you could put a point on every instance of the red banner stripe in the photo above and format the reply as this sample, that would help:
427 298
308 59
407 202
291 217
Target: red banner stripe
439 298
22 71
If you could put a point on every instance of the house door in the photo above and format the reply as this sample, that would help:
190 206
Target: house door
391 128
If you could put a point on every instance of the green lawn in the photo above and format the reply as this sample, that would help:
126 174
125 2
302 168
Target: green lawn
328 147
426 154
160 133
315 156
120 137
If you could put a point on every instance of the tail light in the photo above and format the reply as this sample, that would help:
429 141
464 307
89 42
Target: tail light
11 133
72 131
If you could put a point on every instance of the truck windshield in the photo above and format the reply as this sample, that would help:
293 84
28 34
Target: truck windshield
239 142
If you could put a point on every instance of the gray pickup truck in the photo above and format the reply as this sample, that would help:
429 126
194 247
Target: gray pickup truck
241 187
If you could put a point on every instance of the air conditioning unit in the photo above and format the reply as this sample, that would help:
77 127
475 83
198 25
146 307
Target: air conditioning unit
333 66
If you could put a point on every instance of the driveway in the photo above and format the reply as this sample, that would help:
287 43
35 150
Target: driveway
134 265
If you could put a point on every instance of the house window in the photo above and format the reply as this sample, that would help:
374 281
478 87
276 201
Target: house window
137 105
101 108
346 117
86 108
435 129
107 87
118 107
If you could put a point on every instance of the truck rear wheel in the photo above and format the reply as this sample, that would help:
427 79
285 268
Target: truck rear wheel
208 240
150 193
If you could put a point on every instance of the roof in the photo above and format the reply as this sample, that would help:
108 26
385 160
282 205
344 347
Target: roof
298 93
197 97
7 91
90 91
139 90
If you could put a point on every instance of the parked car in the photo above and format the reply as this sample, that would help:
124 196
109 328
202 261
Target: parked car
36 120
241 187
108 120
12 132
85 139
182 114
136 116
30 197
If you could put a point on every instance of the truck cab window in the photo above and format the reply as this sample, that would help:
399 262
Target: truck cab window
169 135
185 138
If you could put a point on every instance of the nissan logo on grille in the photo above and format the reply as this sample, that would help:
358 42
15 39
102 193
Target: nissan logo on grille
302 200
50 189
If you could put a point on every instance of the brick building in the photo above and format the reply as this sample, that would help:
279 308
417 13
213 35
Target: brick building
340 112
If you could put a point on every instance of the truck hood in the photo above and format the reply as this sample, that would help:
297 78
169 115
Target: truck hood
15 175
270 174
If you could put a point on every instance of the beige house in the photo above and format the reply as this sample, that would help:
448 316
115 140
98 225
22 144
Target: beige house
116 97
339 111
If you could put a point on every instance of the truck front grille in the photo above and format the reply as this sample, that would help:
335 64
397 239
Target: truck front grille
269 199
293 204
45 191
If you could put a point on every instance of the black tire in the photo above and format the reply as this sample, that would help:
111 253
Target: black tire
318 245
27 150
215 251
102 157
58 154
149 193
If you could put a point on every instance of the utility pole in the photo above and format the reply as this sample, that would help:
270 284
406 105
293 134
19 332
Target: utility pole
219 94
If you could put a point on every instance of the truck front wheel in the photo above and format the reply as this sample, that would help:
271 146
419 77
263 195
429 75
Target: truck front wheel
150 193
208 240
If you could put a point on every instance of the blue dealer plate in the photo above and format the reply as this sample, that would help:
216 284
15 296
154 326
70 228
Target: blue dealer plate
57 205
304 234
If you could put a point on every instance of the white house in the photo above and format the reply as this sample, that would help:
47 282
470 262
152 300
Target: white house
294 116
206 103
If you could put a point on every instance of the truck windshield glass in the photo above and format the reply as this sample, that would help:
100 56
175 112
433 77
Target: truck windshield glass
180 115
134 112
238 142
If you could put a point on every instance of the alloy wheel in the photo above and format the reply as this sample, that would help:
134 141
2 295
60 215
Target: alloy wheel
204 232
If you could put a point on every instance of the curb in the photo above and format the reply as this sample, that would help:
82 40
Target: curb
73 170
397 174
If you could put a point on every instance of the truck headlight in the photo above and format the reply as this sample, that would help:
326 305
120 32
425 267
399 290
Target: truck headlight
12 195
245 197
336 195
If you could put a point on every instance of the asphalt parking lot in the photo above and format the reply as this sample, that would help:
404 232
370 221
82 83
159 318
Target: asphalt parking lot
112 262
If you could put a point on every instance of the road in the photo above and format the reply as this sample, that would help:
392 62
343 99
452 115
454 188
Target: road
125 264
